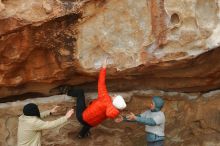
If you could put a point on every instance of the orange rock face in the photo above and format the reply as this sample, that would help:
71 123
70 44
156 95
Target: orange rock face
170 45
154 44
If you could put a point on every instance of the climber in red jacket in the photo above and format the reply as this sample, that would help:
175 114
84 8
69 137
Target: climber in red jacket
100 109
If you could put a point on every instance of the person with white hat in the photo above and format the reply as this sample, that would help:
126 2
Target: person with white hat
103 107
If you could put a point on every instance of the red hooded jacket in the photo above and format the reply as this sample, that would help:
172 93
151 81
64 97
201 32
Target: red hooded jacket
100 108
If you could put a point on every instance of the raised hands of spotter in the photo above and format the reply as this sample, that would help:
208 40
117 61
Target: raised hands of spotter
69 113
54 110
131 117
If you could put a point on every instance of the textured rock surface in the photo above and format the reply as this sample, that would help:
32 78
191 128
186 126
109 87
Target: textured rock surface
191 120
153 43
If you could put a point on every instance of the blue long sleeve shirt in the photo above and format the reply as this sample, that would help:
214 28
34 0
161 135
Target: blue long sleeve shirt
150 137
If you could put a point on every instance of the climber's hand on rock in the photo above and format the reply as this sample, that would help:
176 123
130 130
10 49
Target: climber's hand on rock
104 64
69 113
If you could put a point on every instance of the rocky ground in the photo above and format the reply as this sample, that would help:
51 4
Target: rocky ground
191 120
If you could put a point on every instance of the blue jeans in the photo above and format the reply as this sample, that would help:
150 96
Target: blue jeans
156 143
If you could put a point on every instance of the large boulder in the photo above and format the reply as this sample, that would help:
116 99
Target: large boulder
168 45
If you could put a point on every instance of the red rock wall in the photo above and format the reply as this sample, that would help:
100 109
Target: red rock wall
151 44
154 44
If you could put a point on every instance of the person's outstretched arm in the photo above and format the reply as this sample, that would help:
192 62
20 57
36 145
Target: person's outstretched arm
142 120
146 121
102 90
112 112
48 112
122 118
44 114
42 125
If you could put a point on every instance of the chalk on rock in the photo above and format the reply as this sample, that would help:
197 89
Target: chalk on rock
2 6
47 7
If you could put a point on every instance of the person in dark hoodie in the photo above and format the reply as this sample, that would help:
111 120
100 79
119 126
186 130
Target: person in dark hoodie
31 124
154 121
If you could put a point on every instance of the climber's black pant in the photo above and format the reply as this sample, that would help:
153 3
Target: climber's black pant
80 107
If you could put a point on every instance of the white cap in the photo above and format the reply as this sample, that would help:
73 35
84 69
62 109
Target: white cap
119 102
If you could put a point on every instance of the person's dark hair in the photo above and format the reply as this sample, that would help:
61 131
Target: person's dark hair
31 109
